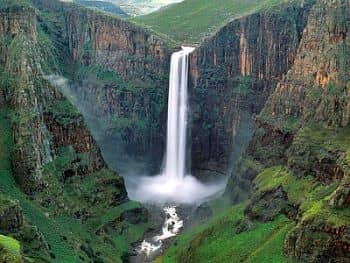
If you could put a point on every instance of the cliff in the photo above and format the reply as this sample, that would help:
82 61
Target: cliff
119 68
316 87
233 74
115 44
47 148
298 157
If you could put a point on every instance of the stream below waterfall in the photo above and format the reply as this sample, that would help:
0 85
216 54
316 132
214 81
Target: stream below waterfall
149 248
174 184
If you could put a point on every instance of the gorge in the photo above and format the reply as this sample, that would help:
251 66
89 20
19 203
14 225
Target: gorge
243 139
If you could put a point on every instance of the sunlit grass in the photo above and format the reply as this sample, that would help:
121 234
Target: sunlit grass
192 20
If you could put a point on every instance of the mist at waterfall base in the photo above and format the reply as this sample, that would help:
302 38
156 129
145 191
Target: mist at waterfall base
173 184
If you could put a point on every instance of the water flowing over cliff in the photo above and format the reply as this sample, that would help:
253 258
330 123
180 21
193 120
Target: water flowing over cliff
173 184
263 101
175 158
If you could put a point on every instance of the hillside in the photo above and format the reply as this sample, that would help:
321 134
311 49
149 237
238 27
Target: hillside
130 7
104 6
192 20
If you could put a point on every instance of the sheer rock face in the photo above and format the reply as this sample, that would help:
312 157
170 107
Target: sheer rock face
144 110
232 75
317 86
18 19
115 44
11 217
37 132
140 59
314 90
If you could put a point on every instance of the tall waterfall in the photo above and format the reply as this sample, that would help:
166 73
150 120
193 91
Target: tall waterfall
174 184
175 158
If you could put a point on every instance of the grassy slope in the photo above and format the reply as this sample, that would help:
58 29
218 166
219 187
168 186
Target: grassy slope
10 250
191 20
217 241
312 196
55 228
51 230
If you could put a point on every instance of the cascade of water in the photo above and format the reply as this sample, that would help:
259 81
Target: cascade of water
174 183
175 157
171 228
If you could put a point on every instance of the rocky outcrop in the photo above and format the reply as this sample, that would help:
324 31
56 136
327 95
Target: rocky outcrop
232 75
121 69
43 120
317 86
18 19
11 217
304 126
311 243
115 44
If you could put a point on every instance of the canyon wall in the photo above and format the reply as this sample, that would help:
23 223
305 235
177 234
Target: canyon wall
49 160
36 132
297 162
120 76
232 75
115 44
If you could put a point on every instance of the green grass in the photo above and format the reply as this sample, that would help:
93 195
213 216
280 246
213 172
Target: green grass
318 140
217 241
10 250
312 196
64 112
55 227
296 188
192 20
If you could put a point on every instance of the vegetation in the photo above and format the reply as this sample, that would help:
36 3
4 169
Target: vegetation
192 20
221 240
64 112
104 6
12 3
98 75
10 250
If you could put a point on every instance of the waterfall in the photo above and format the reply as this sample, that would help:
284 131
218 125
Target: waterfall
175 157
174 184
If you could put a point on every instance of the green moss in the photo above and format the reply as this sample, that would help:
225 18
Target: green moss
312 196
272 249
318 140
10 250
296 188
49 54
320 214
96 73
64 112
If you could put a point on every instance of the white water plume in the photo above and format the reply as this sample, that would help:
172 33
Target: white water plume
173 184
171 228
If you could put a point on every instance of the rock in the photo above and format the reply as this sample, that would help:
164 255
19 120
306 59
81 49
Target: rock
341 196
267 205
316 88
322 243
232 75
135 216
11 217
